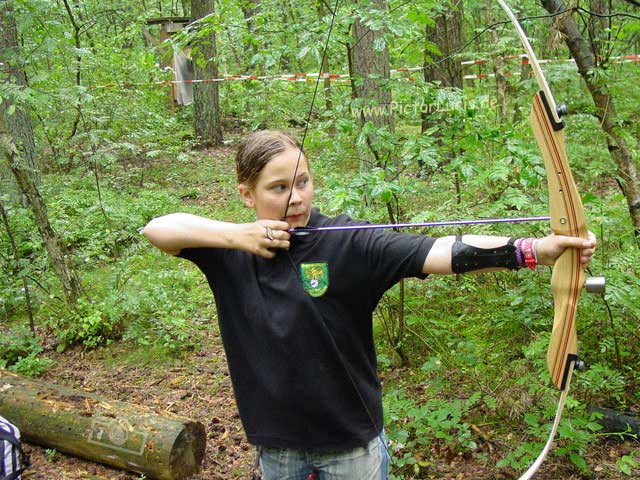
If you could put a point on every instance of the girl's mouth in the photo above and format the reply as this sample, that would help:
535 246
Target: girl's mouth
294 218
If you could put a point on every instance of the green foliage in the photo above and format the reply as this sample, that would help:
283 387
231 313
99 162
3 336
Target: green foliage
416 430
88 324
603 385
574 437
98 224
32 365
347 198
168 308
51 454
626 464
141 304
19 352
30 262
18 344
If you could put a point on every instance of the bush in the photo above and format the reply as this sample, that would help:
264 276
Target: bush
88 324
19 352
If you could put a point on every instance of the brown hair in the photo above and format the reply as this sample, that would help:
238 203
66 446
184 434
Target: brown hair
257 149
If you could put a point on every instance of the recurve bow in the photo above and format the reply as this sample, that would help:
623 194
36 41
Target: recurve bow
567 218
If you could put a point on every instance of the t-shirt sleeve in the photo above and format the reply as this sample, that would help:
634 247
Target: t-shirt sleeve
393 256
194 255
206 259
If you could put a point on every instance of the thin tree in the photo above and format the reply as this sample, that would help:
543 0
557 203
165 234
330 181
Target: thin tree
370 70
498 68
444 68
16 257
206 98
58 256
12 74
627 174
17 146
251 9
446 33
321 9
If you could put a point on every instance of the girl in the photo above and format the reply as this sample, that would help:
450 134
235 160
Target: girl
295 312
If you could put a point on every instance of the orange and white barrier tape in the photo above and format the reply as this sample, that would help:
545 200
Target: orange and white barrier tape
312 77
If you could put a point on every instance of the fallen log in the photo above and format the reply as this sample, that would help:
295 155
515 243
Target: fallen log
126 436
614 421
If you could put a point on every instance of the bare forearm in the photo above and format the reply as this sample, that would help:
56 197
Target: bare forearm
174 232
171 233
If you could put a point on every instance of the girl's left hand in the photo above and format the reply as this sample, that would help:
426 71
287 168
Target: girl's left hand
551 247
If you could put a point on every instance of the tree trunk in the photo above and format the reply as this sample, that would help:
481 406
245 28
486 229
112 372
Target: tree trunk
206 98
370 73
599 29
78 68
447 35
251 9
24 176
115 433
16 257
17 116
444 68
605 110
498 69
616 422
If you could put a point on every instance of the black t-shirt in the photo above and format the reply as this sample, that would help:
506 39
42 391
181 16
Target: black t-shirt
292 388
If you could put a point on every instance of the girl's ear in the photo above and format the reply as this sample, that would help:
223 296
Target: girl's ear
247 195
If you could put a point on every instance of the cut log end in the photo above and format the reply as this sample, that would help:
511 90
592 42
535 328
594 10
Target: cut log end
188 451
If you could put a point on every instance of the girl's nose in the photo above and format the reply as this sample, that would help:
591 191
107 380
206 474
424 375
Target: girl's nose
295 197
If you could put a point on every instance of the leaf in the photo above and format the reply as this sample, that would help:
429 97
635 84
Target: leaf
626 463
532 419
304 52
579 461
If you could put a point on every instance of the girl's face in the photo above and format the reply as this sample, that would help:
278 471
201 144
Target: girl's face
269 195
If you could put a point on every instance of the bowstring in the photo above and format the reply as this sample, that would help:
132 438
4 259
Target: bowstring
313 101
334 345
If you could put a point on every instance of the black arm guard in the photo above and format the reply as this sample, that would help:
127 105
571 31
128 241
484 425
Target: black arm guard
467 258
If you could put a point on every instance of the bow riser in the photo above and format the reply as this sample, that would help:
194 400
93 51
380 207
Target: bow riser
567 218
565 205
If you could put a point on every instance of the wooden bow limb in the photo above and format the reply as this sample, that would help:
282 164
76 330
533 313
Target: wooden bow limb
567 218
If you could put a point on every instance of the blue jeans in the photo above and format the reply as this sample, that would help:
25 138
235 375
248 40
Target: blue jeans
363 463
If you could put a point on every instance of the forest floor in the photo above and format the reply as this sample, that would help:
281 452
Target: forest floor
197 386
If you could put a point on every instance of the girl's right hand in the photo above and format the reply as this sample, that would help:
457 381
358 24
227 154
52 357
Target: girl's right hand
263 237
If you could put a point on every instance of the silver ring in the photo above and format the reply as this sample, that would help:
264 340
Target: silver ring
269 233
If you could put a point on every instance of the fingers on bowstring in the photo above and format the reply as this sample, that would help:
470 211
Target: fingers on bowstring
277 244
275 225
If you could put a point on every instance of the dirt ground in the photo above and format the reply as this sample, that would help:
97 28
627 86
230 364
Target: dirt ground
198 387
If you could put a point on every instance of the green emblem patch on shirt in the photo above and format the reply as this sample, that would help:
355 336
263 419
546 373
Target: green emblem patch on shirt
315 278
